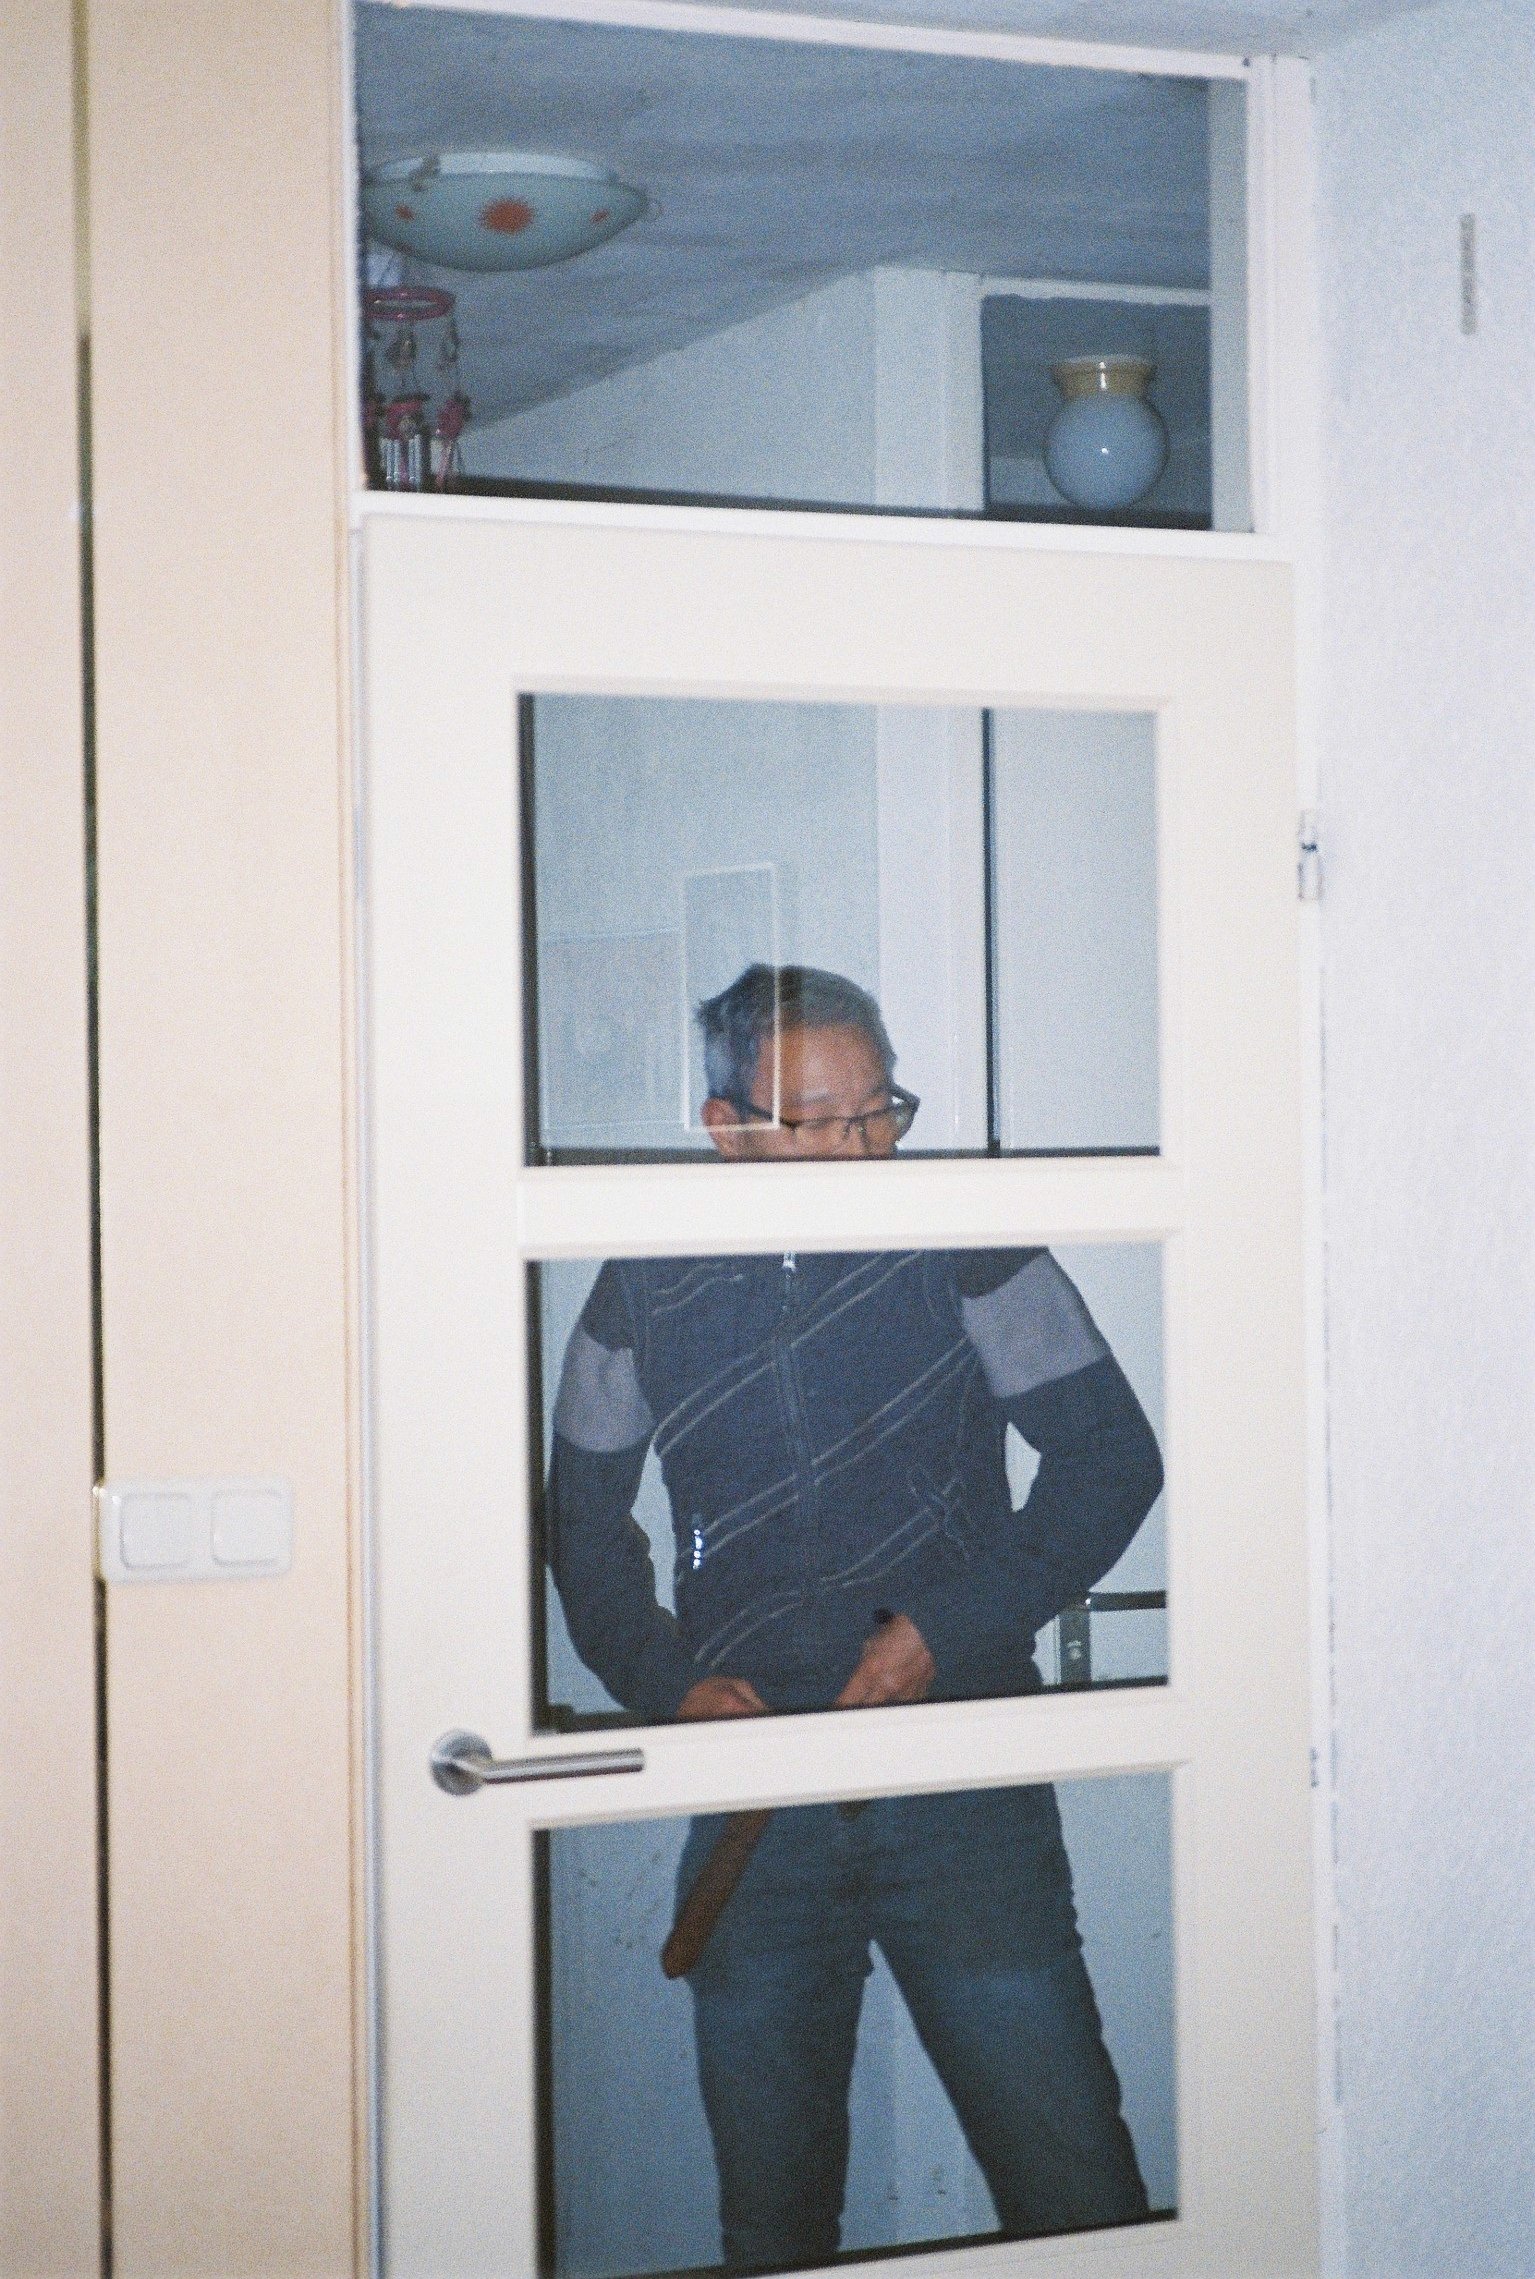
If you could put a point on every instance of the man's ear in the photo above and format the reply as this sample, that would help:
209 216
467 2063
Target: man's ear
722 1121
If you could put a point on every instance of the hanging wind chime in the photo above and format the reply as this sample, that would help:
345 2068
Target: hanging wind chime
409 446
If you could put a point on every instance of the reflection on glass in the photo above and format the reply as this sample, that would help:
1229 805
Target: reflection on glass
810 1481
753 270
675 844
910 2019
678 844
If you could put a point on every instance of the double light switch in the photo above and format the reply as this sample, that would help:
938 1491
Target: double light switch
189 1531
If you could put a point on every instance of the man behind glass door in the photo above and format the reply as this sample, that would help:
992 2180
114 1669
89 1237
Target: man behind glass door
831 1431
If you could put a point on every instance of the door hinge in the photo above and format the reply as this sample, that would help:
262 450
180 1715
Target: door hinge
1308 858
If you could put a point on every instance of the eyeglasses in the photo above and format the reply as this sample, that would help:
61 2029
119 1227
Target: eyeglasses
877 1127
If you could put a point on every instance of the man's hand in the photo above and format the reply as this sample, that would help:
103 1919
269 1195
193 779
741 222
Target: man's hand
895 1665
722 1697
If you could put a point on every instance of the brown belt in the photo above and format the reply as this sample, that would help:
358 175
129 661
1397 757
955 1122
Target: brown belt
717 1879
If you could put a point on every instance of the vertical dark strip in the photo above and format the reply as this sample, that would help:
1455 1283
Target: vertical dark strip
538 1526
80 62
543 2049
989 890
98 1380
533 1150
985 415
543 2055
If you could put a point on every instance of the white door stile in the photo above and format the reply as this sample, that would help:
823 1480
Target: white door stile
464 613
572 1213
632 606
798 1760
834 524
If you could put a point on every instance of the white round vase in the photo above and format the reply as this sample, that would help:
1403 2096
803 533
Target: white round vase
1106 445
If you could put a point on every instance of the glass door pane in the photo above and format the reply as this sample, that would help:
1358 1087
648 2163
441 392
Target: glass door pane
752 1463
914 2020
987 877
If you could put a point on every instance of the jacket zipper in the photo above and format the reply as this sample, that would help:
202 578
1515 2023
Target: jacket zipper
789 1393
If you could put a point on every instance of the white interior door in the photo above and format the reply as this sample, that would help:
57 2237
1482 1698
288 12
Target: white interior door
1041 803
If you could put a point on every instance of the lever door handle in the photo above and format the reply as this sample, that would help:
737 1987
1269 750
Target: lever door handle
462 1762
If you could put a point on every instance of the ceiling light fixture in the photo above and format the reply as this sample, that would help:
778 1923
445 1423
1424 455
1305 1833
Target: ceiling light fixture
1106 446
497 209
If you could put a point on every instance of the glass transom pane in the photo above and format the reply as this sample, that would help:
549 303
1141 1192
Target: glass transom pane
614 261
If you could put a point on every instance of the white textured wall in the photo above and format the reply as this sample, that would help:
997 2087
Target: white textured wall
867 390
776 407
1429 926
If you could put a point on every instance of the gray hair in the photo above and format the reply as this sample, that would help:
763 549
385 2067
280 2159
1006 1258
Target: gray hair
765 998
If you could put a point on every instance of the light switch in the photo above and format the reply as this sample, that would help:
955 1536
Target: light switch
185 1531
158 1532
252 1527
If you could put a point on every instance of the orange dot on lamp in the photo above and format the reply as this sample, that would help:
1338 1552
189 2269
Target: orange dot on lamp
507 215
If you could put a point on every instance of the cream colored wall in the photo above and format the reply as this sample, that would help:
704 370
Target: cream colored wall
49 2194
224 835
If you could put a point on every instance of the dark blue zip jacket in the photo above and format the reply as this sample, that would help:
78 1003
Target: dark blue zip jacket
831 1432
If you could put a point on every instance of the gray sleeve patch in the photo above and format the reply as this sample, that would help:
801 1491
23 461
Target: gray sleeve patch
1035 1328
600 1406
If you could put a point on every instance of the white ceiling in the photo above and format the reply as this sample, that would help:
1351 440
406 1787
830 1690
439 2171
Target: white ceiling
1243 27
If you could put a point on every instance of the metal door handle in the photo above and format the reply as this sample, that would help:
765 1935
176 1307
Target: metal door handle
462 1762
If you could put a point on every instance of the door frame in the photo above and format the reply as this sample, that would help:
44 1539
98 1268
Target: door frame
1285 399
216 2195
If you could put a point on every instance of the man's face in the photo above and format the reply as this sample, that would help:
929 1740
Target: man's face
827 1079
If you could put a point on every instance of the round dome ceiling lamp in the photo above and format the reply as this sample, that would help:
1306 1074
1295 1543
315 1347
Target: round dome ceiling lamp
497 209
1106 446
